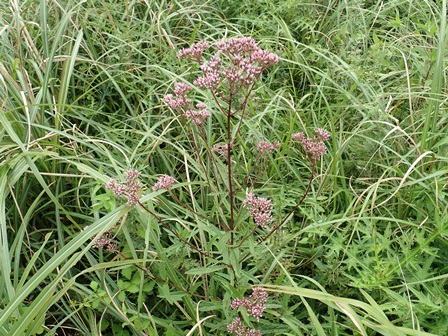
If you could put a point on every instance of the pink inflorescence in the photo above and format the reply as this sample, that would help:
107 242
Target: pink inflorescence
195 51
222 149
255 303
240 329
104 242
264 146
198 116
238 60
314 147
211 77
237 45
260 209
179 100
164 182
129 189
322 134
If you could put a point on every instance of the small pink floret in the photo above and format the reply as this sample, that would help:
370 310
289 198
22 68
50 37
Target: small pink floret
164 182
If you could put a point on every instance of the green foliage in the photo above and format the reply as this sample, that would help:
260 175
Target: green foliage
81 85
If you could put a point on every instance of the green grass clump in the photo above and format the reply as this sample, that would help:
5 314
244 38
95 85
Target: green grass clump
360 239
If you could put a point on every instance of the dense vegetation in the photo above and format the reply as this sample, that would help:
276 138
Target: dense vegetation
351 242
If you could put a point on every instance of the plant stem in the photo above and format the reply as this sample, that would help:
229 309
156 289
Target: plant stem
229 166
313 165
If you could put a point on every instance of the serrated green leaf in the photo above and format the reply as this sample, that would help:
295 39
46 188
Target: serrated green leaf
94 285
132 288
127 272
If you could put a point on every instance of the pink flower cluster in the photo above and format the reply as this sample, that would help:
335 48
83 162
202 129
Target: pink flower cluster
164 182
211 77
222 149
105 242
260 209
180 99
239 60
264 146
236 46
198 116
129 189
180 102
195 51
255 303
314 147
240 329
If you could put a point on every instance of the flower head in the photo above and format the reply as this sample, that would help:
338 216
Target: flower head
264 146
314 147
260 209
104 242
164 182
130 188
240 329
180 99
255 303
237 45
322 134
195 51
198 116
239 61
298 136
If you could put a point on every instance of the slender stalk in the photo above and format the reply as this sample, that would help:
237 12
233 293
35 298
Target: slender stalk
247 237
307 190
313 164
229 166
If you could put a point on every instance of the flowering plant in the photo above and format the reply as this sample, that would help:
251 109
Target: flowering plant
229 75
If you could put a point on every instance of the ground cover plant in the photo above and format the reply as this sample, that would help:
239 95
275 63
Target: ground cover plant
223 168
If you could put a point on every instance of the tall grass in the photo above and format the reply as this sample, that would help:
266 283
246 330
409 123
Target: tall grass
81 86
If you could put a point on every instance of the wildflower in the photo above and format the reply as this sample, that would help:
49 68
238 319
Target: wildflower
260 209
129 189
240 329
264 58
255 304
322 134
264 146
210 70
222 149
198 116
298 136
118 188
104 242
196 50
235 45
314 147
208 81
164 182
180 99
246 58
238 60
